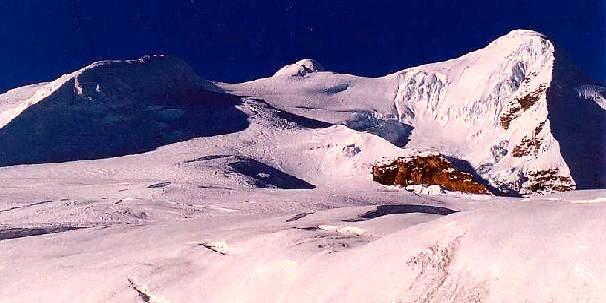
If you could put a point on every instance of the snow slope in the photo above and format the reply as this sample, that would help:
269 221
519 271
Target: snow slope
219 248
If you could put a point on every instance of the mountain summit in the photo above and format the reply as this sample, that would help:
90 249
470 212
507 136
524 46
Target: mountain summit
112 108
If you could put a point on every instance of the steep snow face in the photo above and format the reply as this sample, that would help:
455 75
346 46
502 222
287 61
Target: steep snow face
299 69
488 107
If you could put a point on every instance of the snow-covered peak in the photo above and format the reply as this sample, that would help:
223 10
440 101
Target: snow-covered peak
113 108
516 40
168 63
156 75
144 59
300 68
149 75
518 47
523 33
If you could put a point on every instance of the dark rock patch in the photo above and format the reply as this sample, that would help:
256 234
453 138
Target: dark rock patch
297 217
549 180
393 209
207 158
160 185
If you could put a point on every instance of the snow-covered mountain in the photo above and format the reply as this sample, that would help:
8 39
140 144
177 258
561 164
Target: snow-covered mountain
516 110
112 108
171 188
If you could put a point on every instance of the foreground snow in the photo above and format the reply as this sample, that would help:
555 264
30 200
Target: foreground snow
180 225
288 246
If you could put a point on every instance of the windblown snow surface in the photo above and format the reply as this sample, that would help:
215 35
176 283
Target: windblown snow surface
184 190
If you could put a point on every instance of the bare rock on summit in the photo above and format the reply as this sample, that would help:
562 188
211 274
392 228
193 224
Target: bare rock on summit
427 169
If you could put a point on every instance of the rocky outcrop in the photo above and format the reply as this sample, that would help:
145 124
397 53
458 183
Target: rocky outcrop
548 180
427 169
529 146
518 105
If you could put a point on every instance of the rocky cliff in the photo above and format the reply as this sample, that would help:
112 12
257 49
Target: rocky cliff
427 169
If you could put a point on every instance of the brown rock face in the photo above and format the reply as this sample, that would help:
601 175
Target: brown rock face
433 169
520 105
529 146
549 180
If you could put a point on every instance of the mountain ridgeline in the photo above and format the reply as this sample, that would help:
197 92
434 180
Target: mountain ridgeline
518 112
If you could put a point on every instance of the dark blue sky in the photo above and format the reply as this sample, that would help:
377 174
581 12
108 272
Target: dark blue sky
232 40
